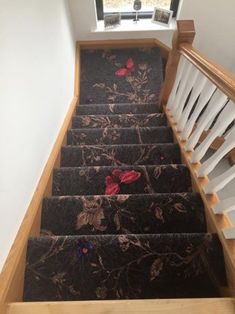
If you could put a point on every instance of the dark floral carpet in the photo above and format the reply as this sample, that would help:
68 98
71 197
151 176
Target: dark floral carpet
100 85
120 155
123 221
119 121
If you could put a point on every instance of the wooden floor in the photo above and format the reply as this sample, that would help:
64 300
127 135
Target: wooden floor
180 306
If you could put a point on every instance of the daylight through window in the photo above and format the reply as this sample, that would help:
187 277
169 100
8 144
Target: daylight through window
127 5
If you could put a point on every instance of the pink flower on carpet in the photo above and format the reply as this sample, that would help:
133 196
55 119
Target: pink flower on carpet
116 173
127 177
112 188
120 177
129 67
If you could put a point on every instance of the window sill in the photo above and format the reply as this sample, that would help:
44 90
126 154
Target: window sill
130 26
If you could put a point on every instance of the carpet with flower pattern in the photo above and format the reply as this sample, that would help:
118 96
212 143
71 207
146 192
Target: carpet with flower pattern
123 221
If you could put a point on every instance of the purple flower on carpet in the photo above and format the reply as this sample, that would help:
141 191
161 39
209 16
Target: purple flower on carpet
84 248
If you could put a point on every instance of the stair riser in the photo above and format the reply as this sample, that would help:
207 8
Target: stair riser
91 180
120 155
119 121
132 214
117 109
117 267
119 136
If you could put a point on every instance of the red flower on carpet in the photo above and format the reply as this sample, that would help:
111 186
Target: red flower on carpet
129 67
112 188
128 177
120 177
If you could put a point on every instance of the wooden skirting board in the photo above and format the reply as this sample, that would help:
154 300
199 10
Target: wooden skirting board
179 306
12 275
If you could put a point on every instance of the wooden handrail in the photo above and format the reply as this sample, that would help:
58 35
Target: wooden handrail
224 80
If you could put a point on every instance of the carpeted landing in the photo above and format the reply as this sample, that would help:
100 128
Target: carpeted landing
123 221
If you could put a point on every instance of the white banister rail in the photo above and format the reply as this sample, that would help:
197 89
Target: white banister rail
199 108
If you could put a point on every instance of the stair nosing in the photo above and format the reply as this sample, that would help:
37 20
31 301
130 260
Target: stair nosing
56 197
122 114
116 167
118 145
131 128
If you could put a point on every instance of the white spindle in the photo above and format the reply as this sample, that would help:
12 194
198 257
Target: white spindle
197 89
226 135
188 88
231 216
205 96
224 205
181 88
216 104
181 67
208 125
220 182
211 162
191 94
229 233
223 121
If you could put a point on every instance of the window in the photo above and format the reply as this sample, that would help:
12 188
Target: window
126 7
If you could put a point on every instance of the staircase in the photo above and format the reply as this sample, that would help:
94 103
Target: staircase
123 221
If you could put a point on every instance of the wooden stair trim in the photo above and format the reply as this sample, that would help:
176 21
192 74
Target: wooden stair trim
126 43
12 275
173 306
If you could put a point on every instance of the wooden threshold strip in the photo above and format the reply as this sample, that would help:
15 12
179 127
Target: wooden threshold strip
174 306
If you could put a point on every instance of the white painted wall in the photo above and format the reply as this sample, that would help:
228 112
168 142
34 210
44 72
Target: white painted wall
214 19
37 54
215 25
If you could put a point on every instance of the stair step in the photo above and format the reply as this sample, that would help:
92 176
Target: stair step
91 180
123 266
99 83
119 121
120 155
123 214
111 109
120 136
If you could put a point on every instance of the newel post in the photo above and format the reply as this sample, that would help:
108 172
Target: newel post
185 33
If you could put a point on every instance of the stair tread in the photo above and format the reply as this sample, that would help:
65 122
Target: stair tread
119 120
100 136
136 214
91 180
123 266
116 155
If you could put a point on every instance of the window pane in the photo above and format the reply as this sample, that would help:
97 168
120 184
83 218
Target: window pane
127 5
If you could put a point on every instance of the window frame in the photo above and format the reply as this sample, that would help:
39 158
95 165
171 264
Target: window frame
130 15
